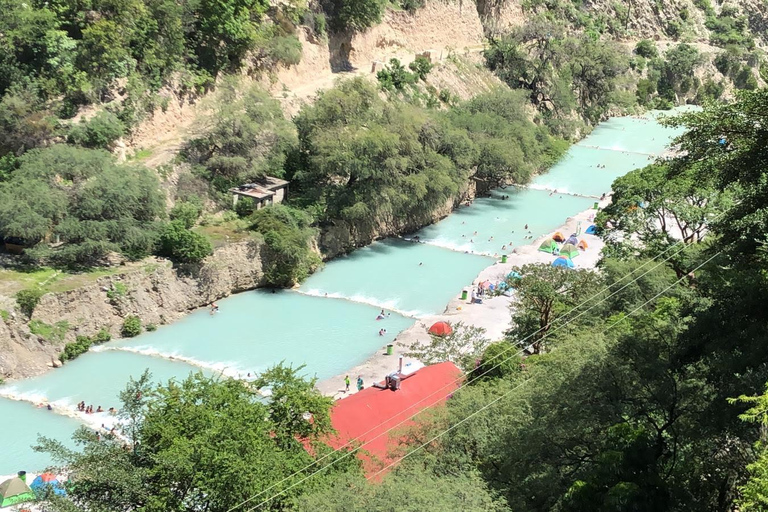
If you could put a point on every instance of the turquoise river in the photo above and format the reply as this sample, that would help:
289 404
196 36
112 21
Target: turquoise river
328 324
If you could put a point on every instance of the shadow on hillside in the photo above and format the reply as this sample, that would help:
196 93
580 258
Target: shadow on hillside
340 46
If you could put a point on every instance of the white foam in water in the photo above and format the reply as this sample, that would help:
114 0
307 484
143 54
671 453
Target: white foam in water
63 407
560 190
228 369
389 304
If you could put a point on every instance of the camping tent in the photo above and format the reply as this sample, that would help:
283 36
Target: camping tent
46 481
591 230
583 245
440 329
564 262
572 240
569 251
549 246
558 237
13 491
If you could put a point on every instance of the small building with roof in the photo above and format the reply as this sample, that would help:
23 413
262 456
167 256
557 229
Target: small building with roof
265 192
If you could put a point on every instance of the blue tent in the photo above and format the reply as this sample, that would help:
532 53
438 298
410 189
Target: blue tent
572 240
591 230
564 262
47 480
514 275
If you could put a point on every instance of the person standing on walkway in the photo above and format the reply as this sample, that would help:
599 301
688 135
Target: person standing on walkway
359 382
346 383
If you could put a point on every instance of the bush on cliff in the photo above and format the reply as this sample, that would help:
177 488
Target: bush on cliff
82 344
27 300
183 245
287 236
131 327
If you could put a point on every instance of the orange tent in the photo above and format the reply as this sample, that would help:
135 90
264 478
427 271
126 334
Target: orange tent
441 329
582 245
558 237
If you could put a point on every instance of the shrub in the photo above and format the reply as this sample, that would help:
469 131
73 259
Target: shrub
102 336
745 79
83 343
98 132
28 300
421 67
131 327
395 76
355 15
151 327
5 315
646 48
180 244
118 290
187 212
78 347
411 5
244 208
319 25
287 235
285 50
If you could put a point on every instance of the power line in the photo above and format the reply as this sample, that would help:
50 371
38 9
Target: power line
519 352
495 400
465 419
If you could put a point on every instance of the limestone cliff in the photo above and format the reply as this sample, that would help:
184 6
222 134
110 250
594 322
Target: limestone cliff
158 293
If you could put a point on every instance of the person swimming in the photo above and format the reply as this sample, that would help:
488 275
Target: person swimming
526 227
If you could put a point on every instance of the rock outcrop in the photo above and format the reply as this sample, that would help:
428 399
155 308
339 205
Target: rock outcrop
157 293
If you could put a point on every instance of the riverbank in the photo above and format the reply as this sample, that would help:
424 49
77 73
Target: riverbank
493 315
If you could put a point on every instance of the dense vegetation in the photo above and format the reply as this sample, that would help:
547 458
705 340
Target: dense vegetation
627 404
642 387
364 160
201 444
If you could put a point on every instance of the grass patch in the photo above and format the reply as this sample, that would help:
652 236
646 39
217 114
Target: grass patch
142 154
54 281
55 332
224 233
5 315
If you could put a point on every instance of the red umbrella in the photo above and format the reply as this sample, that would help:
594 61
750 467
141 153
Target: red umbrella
441 329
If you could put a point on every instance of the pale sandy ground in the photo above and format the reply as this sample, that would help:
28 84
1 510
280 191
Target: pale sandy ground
493 315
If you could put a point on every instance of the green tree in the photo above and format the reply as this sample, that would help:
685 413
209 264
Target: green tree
661 205
463 347
187 212
131 327
226 30
355 15
248 138
646 48
188 447
724 143
421 66
28 300
545 294
287 236
98 132
181 244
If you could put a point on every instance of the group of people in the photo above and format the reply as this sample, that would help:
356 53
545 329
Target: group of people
478 295
382 316
347 383
88 409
